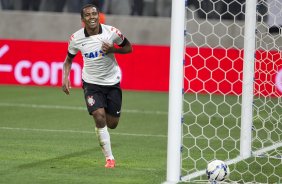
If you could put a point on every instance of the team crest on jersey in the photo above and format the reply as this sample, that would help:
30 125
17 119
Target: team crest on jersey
90 100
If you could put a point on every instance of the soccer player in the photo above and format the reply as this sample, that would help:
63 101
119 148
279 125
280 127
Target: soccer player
101 74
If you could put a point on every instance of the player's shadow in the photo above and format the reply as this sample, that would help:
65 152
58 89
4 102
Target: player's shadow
52 161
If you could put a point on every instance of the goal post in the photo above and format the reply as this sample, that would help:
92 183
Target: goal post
225 91
175 91
248 79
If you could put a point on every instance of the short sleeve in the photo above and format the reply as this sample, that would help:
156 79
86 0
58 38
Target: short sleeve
117 36
72 46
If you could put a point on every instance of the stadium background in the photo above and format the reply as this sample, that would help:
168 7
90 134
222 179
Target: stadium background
33 43
33 46
24 36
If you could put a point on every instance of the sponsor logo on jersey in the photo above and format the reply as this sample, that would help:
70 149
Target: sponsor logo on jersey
94 54
71 37
117 32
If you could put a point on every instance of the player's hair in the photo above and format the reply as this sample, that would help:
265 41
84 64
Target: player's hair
86 6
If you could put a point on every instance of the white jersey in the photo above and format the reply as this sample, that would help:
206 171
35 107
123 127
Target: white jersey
98 67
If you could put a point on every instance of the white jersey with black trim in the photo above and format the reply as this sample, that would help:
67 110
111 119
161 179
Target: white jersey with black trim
98 68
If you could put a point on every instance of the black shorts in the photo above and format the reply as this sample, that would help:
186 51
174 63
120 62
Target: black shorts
108 97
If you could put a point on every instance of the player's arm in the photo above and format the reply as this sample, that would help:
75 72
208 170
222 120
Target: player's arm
66 72
124 48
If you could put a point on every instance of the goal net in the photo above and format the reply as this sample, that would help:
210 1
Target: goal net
232 89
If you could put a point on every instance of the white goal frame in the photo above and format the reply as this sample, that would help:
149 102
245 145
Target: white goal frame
175 91
175 111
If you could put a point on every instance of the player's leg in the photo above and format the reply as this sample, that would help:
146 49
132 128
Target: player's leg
96 101
113 110
103 136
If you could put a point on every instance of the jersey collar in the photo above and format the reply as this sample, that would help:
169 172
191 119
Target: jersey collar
100 31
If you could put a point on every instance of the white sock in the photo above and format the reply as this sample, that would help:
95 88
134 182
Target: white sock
104 141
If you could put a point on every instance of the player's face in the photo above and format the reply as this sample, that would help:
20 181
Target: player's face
91 17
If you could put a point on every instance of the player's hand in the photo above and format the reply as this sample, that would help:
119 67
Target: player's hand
66 87
107 47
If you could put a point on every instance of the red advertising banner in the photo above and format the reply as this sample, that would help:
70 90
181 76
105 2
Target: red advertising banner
221 71
40 63
147 68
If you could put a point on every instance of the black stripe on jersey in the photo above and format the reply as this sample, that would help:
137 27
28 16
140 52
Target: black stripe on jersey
125 41
71 55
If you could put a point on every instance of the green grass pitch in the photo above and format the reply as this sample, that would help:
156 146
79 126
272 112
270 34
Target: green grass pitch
48 137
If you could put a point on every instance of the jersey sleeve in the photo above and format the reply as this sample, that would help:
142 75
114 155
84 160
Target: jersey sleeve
72 49
117 36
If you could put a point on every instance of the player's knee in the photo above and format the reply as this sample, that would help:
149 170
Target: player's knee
112 121
112 125
100 118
